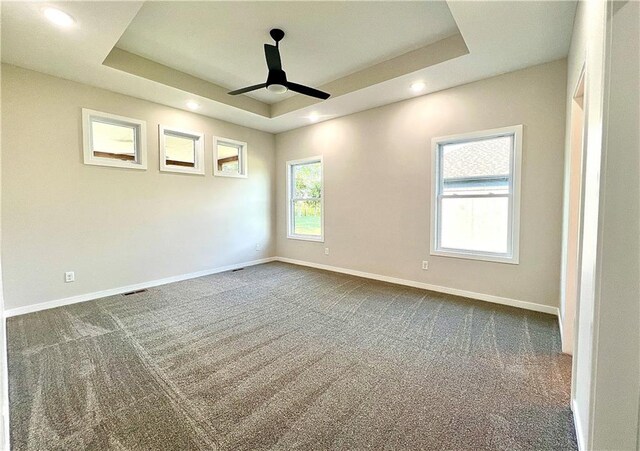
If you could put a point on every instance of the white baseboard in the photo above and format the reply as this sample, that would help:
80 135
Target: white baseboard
426 286
153 283
561 327
577 423
139 286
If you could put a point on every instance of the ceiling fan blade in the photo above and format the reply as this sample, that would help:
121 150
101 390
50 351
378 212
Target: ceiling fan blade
307 91
272 54
247 89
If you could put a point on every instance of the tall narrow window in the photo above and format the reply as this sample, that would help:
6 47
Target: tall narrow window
305 199
476 195
111 140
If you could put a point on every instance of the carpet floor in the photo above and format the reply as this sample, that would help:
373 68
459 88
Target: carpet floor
281 356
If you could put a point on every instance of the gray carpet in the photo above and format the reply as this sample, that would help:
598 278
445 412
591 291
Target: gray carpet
280 356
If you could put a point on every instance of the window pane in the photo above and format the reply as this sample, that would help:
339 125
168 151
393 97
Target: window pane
113 141
307 217
307 180
228 158
475 224
477 167
180 150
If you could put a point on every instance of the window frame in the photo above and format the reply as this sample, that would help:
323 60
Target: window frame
140 127
198 137
512 256
290 200
242 154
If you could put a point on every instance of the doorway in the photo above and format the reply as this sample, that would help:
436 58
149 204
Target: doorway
572 269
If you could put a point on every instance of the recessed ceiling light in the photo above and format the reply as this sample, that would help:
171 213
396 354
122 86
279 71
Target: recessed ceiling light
58 17
313 117
193 105
418 86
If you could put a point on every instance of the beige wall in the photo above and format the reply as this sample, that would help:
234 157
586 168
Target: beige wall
116 227
377 173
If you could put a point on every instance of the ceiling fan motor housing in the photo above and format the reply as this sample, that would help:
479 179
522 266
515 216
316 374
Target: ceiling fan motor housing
277 34
276 77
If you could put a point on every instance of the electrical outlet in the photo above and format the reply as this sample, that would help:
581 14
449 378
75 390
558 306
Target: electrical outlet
69 276
326 251
258 246
425 265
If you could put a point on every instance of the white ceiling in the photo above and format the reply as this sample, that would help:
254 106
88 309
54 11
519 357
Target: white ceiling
222 42
500 36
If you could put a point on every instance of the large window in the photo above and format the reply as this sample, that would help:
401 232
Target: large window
476 195
111 140
305 199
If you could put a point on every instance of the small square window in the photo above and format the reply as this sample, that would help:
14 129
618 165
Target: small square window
229 157
111 140
181 151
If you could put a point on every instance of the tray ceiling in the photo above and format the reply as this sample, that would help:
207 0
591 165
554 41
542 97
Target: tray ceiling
222 42
366 54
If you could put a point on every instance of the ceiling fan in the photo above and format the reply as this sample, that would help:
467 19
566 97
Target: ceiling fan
277 79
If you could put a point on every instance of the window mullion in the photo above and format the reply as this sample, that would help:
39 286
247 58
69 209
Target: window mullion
298 199
472 196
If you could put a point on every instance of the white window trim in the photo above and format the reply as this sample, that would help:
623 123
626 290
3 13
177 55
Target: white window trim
198 137
293 236
512 257
244 162
141 140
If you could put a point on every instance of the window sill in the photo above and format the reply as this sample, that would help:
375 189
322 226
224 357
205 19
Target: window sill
317 239
223 174
112 163
474 256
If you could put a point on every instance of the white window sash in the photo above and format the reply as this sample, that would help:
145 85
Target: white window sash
89 117
197 139
511 256
243 159
291 165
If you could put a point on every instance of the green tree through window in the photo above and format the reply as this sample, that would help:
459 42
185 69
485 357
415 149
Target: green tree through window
306 199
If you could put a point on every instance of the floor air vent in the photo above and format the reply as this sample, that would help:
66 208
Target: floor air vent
133 292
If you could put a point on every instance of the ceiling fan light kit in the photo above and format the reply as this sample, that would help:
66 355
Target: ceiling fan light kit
277 78
277 88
